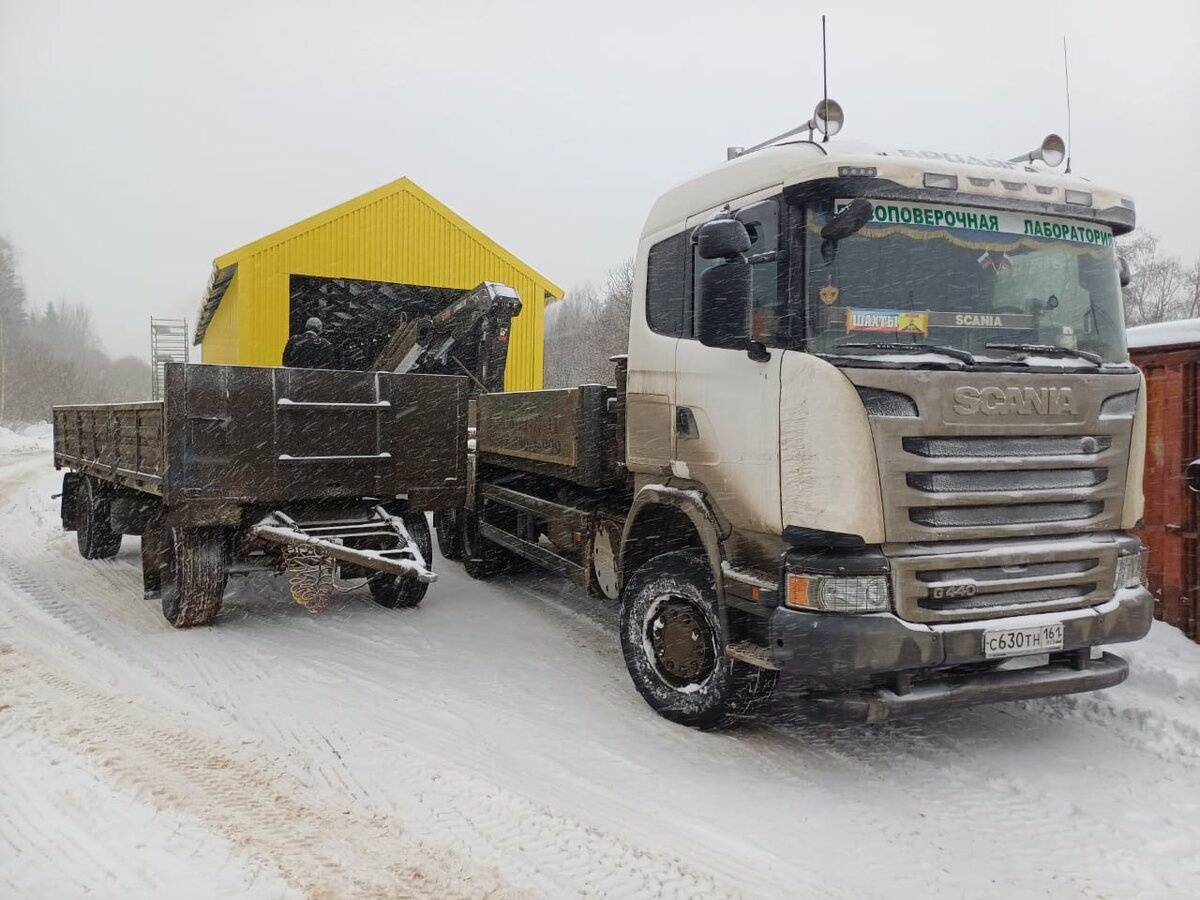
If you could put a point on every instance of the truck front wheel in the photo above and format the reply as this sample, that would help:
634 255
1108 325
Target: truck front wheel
94 533
194 576
674 647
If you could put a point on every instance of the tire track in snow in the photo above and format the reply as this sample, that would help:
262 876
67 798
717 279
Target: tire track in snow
548 853
323 850
989 802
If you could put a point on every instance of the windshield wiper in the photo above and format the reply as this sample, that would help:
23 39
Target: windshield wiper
1048 350
952 352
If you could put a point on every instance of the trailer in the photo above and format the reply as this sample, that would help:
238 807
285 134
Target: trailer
242 469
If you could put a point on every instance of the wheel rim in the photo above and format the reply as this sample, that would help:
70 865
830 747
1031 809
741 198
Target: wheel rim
680 643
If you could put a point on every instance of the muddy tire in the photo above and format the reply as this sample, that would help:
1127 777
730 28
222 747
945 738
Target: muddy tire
194 575
481 558
405 591
674 647
94 532
445 523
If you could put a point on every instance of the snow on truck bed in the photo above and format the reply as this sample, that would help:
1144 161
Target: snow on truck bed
491 744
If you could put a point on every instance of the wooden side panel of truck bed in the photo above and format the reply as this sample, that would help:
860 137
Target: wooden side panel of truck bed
231 437
569 433
118 442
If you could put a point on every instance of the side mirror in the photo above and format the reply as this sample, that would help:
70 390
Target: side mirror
849 221
725 301
722 238
1123 272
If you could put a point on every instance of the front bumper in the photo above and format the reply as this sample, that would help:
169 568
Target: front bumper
831 652
1057 678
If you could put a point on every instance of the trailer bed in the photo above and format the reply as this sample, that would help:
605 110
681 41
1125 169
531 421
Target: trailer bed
228 437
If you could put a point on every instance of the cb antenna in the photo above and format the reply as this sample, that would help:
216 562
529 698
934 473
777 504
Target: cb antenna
1067 77
825 76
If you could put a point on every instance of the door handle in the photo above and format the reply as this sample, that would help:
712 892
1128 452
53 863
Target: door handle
685 424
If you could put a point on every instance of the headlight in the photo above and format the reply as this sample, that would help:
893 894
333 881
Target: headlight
1131 570
835 593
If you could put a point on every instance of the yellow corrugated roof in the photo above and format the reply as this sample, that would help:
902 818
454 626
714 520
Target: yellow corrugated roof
392 187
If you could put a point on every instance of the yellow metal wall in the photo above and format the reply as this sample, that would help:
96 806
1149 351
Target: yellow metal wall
397 233
220 338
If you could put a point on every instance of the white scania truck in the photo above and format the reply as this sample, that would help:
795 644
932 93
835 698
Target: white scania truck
877 440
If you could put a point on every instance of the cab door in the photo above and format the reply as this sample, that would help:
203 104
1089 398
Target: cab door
726 409
656 324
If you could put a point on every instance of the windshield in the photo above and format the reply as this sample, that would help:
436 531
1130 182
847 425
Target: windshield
963 279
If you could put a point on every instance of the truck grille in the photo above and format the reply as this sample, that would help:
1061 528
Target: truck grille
1002 514
1062 573
1047 480
948 475
976 485
964 490
989 446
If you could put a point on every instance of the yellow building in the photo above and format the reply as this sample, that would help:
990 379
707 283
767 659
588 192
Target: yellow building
396 233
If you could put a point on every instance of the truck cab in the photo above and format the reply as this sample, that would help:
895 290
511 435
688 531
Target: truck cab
886 395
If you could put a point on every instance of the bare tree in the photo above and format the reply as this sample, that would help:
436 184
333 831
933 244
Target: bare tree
12 315
52 356
1161 289
587 328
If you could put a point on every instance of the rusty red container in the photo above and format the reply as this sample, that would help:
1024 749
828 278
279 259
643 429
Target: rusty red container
1168 353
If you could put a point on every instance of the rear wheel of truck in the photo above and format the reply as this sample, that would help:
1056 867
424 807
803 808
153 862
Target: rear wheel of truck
674 648
405 591
481 558
445 523
93 531
194 574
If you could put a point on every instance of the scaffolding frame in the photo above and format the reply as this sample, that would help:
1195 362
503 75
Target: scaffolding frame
168 343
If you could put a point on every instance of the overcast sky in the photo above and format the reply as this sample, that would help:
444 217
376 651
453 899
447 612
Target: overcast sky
138 140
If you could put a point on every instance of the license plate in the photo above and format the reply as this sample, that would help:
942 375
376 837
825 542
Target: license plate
1019 641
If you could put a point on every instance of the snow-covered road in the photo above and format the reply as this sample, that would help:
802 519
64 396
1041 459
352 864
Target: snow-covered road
491 744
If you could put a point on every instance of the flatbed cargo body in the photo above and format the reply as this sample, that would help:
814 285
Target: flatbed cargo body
272 469
233 436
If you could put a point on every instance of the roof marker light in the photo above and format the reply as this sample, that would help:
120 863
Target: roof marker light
1044 188
1013 185
938 180
862 171
981 182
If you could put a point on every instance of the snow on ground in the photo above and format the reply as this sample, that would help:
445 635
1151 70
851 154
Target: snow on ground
491 744
25 438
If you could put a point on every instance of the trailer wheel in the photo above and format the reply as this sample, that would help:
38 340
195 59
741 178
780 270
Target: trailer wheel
94 533
445 522
674 649
405 591
193 582
481 558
